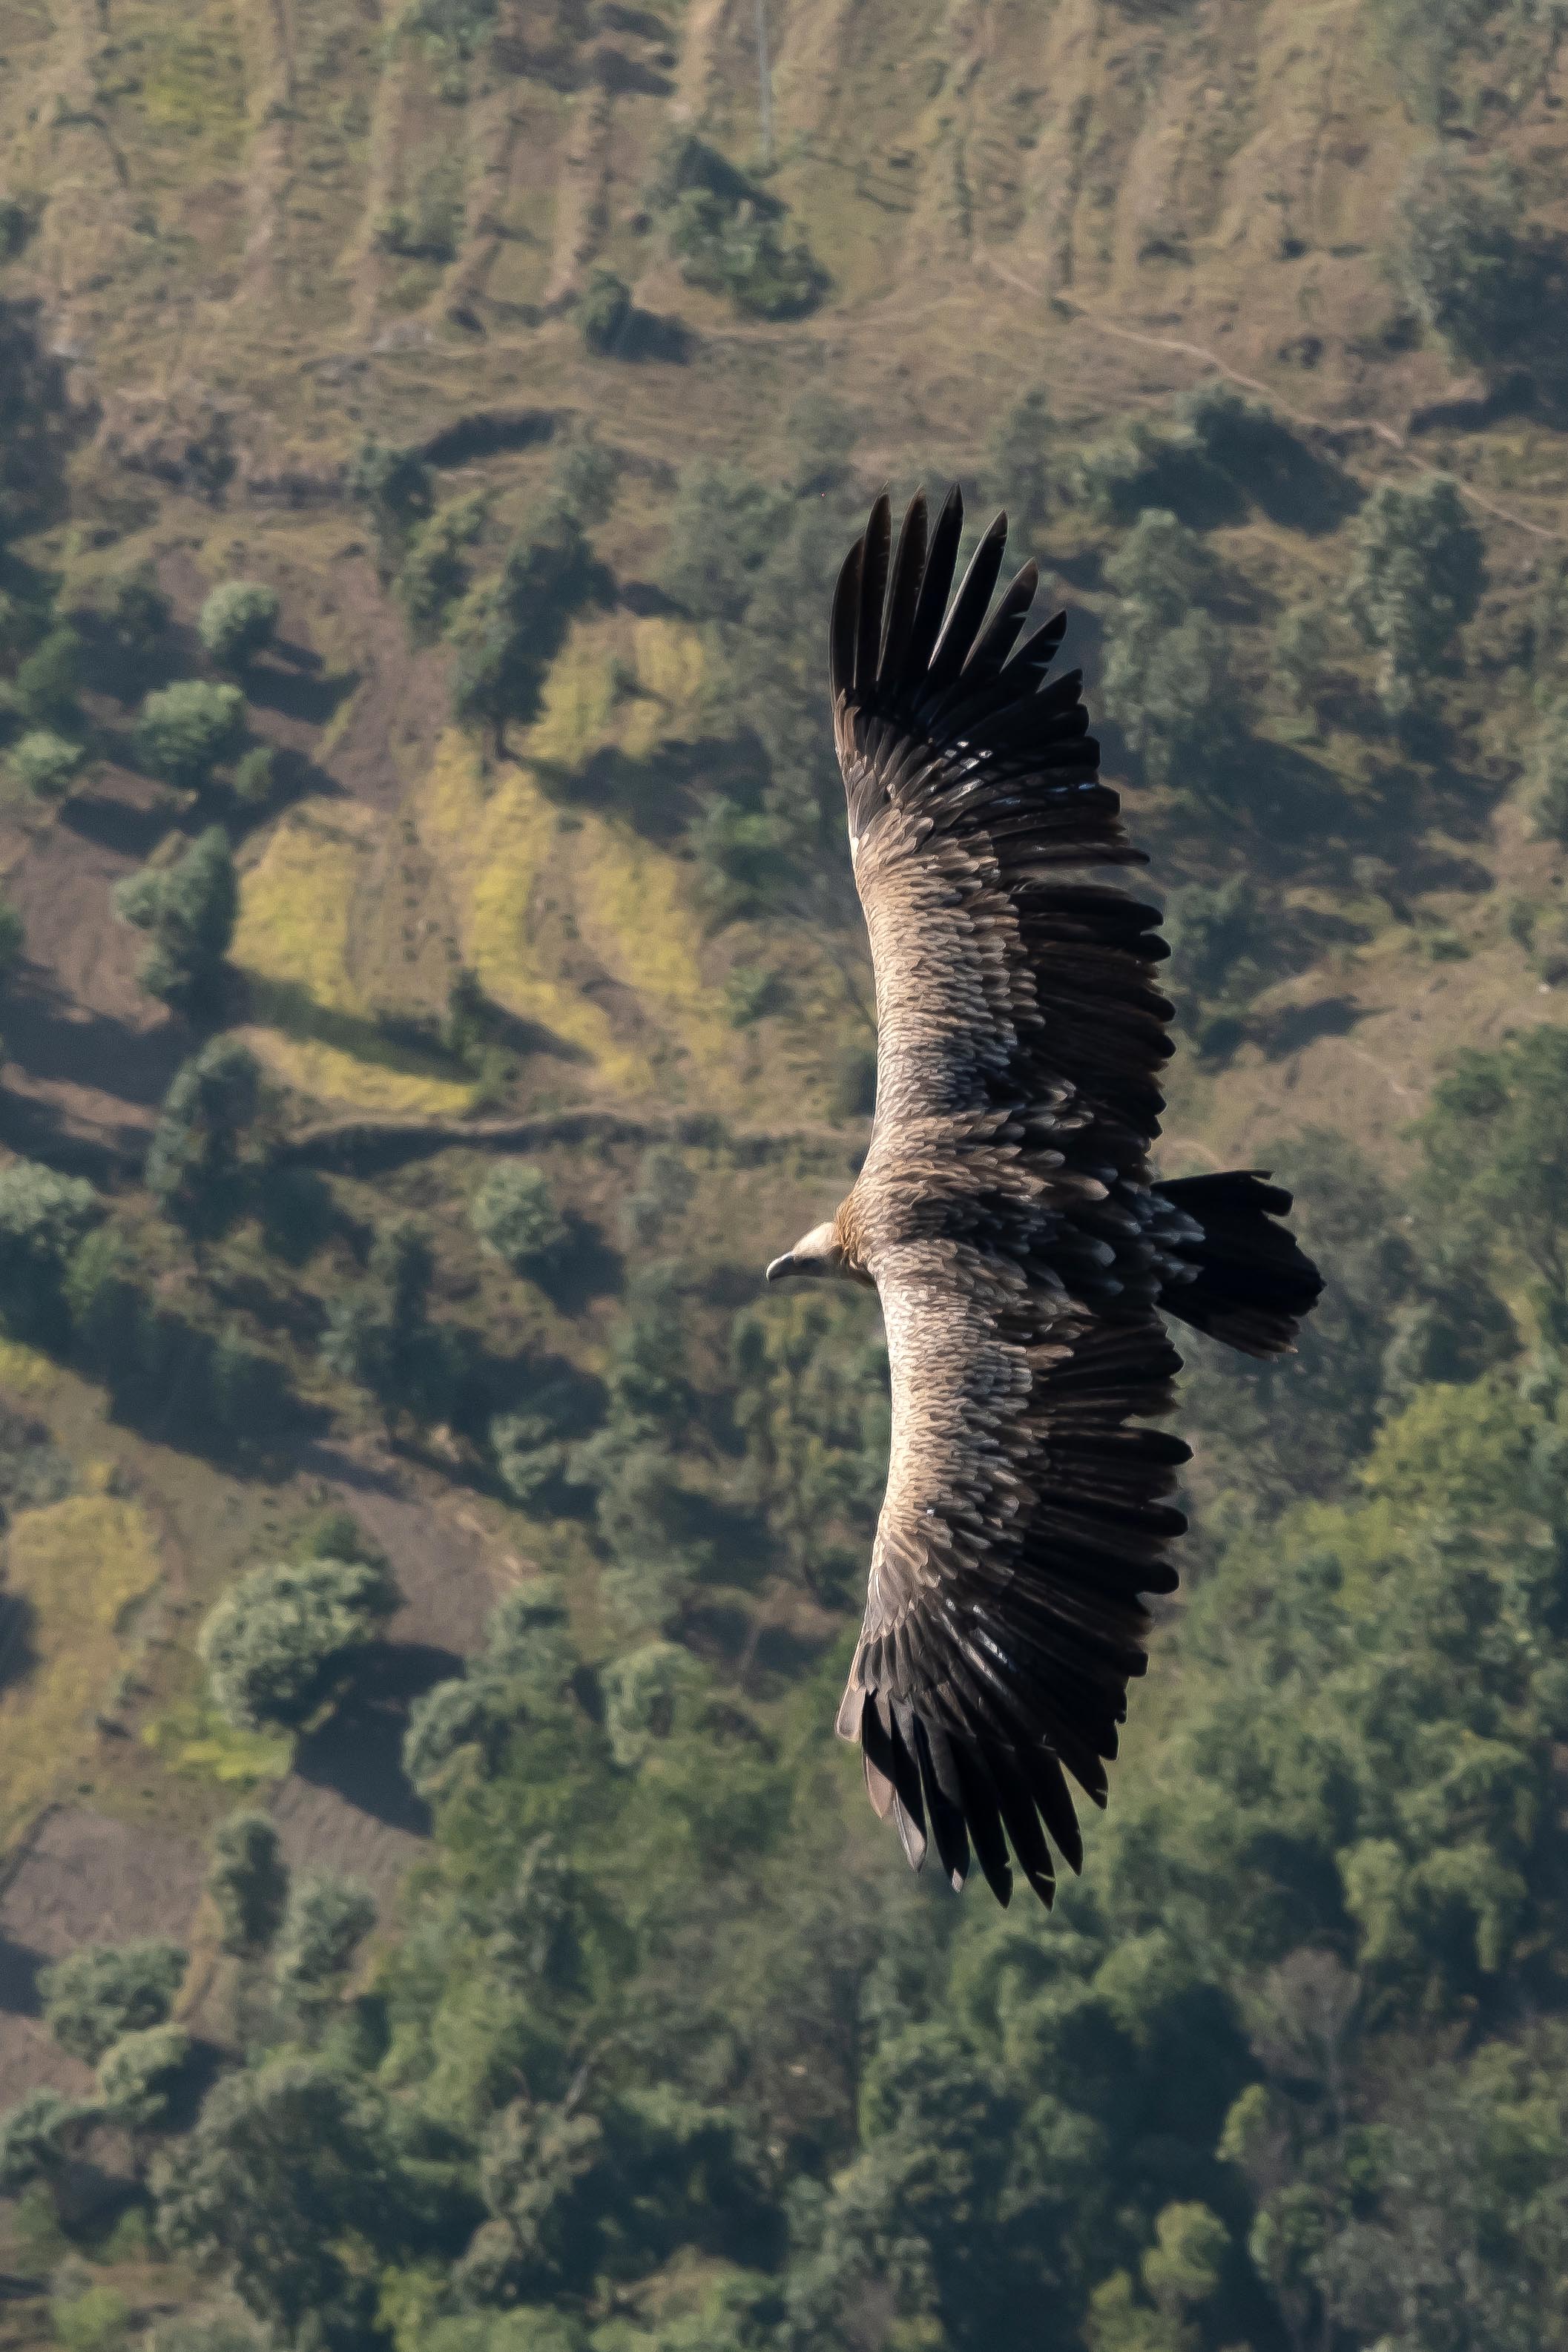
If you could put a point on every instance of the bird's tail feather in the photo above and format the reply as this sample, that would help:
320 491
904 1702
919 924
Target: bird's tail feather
1243 1278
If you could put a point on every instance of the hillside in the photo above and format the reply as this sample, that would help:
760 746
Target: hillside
541 375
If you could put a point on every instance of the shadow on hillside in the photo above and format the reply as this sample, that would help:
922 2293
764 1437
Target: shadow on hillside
19 1652
358 1752
109 821
299 694
20 1968
53 1037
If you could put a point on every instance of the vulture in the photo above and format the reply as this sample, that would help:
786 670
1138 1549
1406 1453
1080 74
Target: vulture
1007 1216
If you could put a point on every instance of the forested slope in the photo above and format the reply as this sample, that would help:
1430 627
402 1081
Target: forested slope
435 1913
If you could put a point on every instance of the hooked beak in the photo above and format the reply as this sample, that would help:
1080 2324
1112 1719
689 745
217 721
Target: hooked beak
780 1267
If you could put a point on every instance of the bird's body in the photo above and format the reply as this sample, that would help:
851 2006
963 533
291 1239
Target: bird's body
1008 1217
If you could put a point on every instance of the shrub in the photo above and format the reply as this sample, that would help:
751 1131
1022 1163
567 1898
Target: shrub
328 1919
238 621
45 764
189 910
247 1881
515 1217
604 312
278 1646
139 2073
253 776
95 1996
1416 578
92 2321
183 730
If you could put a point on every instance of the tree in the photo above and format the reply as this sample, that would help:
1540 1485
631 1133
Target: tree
139 2076
189 910
1168 669
285 2161
238 621
1415 578
43 1218
96 1995
518 624
392 485
515 1219
247 1881
727 235
279 1645
1551 773
327 1921
37 2138
1495 1136
45 689
724 527
436 571
45 764
380 1335
1471 270
185 730
199 1170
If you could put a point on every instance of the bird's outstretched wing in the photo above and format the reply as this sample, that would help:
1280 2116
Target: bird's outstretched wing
1001 1211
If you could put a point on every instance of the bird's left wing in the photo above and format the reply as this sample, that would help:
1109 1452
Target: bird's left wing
1026 1513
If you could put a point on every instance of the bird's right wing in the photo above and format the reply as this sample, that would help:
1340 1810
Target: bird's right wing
1026 1512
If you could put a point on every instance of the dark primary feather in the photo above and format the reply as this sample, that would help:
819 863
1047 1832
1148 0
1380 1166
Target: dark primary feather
1007 1213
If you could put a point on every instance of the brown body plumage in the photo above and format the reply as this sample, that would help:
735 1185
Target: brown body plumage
1008 1217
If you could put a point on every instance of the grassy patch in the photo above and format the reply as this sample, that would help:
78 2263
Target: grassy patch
313 1024
194 1737
77 1568
495 847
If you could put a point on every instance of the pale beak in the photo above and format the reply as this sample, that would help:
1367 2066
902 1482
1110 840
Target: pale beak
780 1267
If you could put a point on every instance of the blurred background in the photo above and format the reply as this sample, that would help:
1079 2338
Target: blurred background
435 1913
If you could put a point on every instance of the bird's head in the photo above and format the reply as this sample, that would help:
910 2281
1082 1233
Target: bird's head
815 1253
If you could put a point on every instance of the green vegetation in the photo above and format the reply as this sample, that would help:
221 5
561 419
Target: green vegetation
247 1881
278 1646
604 312
238 621
515 1216
185 730
727 235
517 623
45 764
326 1922
197 1170
189 910
97 1995
1417 578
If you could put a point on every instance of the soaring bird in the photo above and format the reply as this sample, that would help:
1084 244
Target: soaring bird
1007 1216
